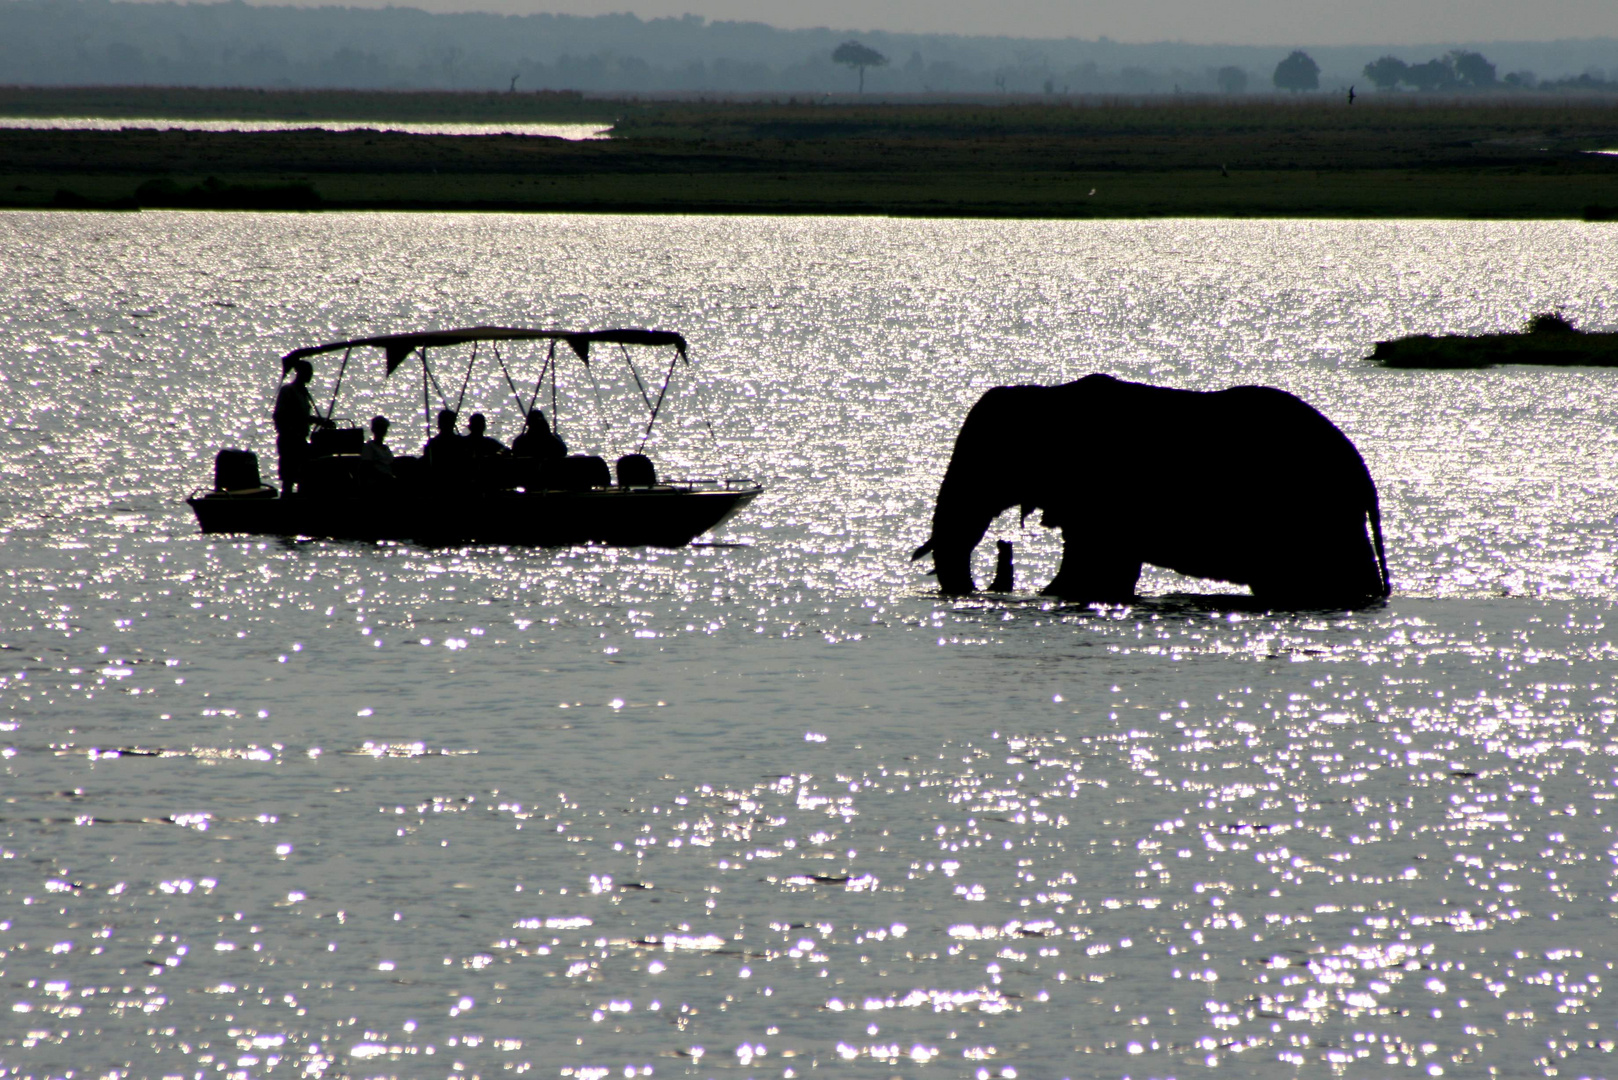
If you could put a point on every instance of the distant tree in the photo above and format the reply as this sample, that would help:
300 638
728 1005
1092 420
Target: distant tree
1472 68
1525 80
858 56
1297 72
1231 80
1387 72
1435 74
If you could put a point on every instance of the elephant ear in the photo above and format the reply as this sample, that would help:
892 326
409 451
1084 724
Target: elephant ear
923 550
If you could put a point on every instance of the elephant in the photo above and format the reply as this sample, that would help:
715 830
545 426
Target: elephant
1249 485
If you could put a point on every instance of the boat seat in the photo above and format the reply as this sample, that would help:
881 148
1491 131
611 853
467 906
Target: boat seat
580 472
636 470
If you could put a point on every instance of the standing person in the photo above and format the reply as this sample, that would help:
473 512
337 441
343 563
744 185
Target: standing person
294 415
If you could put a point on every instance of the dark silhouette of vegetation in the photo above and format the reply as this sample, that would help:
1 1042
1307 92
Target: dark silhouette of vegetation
1589 81
1549 322
1547 338
1231 80
1433 75
855 55
212 194
1472 69
215 194
1460 70
1386 73
68 199
1297 72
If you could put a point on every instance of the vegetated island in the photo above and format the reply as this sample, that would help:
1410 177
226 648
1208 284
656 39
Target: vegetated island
1311 156
1548 340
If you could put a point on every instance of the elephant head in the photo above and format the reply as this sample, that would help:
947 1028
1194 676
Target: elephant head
985 478
1249 485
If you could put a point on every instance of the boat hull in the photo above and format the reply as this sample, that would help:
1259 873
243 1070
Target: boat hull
662 516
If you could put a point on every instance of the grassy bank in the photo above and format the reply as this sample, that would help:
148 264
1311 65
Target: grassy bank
1132 160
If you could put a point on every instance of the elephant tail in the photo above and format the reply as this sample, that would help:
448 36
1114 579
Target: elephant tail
1381 554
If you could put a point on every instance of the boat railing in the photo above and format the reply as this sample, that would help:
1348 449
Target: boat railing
728 483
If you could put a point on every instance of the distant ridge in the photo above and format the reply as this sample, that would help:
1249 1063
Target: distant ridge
109 42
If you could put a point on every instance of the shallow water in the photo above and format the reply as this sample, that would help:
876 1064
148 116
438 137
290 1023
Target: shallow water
98 123
776 809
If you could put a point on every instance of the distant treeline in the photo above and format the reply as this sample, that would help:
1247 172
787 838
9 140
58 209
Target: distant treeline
1462 71
107 42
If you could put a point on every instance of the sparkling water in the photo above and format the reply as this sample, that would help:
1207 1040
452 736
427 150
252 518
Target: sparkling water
770 806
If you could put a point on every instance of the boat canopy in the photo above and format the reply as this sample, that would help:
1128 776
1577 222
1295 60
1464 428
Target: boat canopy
399 346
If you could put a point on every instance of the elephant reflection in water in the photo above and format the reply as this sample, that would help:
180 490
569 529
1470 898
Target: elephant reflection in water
1249 485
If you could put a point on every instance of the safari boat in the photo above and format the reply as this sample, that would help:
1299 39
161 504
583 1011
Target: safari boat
503 500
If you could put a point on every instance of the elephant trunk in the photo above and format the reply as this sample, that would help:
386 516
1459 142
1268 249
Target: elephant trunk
954 565
957 530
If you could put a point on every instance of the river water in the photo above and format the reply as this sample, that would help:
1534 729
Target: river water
772 807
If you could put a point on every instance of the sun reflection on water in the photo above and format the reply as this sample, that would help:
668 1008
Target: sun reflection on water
332 809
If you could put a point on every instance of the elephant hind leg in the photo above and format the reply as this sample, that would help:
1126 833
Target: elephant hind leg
1094 574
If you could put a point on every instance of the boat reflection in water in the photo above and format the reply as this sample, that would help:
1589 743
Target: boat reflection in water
494 500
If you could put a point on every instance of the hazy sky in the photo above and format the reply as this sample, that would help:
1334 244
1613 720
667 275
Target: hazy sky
1256 22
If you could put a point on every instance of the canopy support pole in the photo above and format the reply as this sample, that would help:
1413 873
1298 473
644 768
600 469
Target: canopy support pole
701 396
442 397
426 398
509 381
644 396
339 387
470 364
595 388
539 383
667 378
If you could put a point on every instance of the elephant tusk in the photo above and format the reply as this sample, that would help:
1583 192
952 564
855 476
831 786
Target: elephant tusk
923 550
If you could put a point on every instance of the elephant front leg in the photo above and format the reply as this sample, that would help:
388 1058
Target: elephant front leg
1094 572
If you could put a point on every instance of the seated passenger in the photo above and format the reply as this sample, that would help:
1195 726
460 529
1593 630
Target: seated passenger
537 441
478 444
376 453
448 448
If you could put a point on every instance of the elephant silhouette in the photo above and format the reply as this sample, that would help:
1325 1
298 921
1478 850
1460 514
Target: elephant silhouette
1249 485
